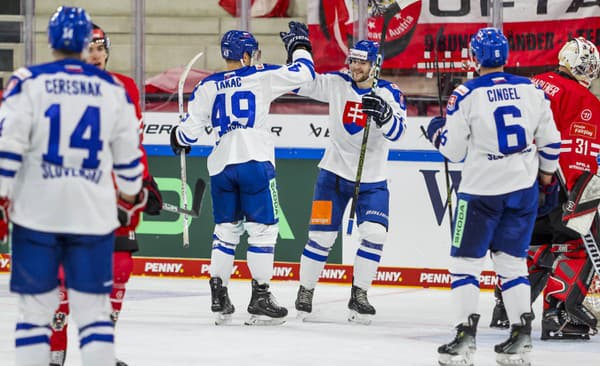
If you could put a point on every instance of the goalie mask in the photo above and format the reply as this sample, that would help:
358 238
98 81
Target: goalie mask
235 43
580 57
489 47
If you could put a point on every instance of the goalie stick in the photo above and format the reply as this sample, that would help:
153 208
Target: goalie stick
196 202
388 14
182 117
583 228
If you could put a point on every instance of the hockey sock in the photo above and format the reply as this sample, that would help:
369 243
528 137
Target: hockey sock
32 333
91 313
260 261
366 262
516 293
312 262
221 259
465 295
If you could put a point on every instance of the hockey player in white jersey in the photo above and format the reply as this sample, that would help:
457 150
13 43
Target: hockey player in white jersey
351 103
66 126
502 126
235 103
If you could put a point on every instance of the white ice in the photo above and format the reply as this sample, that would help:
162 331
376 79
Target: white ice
168 322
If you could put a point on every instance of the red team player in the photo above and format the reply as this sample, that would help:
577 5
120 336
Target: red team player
557 258
125 240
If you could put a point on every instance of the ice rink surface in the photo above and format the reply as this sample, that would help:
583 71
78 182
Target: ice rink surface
168 322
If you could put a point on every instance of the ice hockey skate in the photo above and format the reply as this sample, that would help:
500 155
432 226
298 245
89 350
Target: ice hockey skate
461 350
304 302
556 325
263 308
361 311
57 358
515 350
221 304
120 363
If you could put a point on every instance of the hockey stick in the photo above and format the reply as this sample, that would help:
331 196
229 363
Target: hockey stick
196 202
389 13
186 223
439 93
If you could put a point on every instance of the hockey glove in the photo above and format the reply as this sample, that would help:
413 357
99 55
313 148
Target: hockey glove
155 201
126 211
176 146
374 106
4 204
296 37
548 199
434 131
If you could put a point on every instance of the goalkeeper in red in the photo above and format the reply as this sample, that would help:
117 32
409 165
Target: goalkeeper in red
558 263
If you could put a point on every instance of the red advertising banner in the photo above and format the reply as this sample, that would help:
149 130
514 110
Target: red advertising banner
536 30
288 271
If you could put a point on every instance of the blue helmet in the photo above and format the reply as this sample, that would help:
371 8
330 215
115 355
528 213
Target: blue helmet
490 47
364 50
69 29
235 43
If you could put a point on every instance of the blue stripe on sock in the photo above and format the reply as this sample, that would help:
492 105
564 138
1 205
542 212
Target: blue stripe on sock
523 280
95 337
28 341
261 250
314 256
369 256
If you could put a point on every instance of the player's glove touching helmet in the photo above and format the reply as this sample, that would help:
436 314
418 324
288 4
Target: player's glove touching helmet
295 38
374 106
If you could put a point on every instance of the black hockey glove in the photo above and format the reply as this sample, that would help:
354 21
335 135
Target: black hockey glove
434 131
374 106
548 199
155 201
176 146
296 37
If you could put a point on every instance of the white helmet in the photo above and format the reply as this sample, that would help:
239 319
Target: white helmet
581 58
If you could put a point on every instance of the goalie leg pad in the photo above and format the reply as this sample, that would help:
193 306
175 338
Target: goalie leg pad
568 284
539 263
226 237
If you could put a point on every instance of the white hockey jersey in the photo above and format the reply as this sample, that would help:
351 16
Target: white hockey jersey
235 104
502 126
347 121
65 126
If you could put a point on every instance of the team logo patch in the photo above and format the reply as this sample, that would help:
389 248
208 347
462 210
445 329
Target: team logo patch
451 103
586 114
321 213
74 68
462 90
353 118
586 130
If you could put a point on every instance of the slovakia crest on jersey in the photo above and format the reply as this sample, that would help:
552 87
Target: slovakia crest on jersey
353 118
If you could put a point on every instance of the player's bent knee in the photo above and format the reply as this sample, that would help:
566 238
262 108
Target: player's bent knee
372 232
261 234
509 266
39 308
229 232
466 265
325 239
